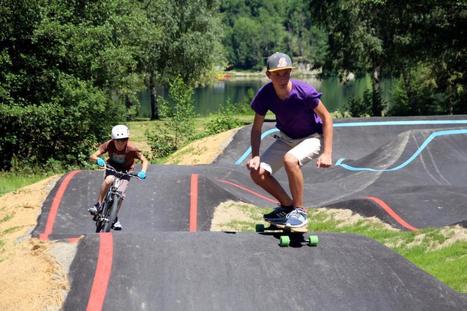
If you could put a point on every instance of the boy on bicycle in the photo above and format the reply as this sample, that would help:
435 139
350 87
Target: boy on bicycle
122 155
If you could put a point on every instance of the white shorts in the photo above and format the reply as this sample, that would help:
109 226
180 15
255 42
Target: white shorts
304 149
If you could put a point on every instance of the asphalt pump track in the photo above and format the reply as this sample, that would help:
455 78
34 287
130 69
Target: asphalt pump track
409 172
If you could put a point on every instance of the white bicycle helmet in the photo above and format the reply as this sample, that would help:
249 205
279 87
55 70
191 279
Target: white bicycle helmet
120 132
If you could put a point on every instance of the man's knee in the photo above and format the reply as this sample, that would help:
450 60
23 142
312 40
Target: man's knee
290 160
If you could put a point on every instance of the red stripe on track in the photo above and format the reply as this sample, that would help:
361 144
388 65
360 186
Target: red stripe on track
193 203
393 214
102 275
55 205
249 191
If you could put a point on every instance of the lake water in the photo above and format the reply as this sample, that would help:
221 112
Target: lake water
335 94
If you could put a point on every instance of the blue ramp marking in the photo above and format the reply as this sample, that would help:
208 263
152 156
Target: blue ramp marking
355 124
407 162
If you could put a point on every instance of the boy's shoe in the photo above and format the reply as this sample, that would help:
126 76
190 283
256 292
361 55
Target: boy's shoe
93 209
296 218
278 215
117 225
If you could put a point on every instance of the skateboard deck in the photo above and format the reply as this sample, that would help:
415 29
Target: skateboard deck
289 236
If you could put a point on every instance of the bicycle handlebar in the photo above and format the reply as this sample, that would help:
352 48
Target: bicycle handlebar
123 173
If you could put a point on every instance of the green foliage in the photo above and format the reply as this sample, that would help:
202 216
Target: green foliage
370 105
189 44
254 30
63 130
179 113
416 93
391 38
161 141
224 120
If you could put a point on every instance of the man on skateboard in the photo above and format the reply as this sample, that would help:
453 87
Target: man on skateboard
306 131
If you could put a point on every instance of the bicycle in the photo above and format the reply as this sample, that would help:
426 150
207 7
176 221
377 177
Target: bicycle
107 214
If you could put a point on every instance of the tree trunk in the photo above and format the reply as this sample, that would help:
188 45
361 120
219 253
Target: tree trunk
153 99
128 105
377 106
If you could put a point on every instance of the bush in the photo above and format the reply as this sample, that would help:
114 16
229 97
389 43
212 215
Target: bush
415 94
162 143
179 112
64 130
224 120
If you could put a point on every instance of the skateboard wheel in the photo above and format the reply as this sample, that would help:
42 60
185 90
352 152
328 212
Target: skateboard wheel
284 241
313 240
259 228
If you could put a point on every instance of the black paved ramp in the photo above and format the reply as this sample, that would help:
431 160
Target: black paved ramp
249 271
155 264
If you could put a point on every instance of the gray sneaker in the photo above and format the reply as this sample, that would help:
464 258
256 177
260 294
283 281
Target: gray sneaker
278 215
296 218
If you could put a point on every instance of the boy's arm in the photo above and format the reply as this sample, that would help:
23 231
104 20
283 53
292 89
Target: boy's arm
143 159
255 140
325 160
93 157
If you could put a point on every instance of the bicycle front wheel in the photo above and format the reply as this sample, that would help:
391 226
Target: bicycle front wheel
113 215
102 215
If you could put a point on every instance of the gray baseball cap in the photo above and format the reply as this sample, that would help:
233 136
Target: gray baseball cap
279 61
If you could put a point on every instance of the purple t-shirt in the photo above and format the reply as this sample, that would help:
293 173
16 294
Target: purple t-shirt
295 116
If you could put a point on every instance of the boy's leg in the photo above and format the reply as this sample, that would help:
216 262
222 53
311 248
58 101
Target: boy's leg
109 179
122 188
271 161
294 159
295 176
265 180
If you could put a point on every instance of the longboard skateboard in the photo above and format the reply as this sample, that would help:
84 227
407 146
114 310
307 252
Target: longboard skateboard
289 236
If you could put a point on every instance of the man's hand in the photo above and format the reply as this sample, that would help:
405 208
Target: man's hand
253 163
324 160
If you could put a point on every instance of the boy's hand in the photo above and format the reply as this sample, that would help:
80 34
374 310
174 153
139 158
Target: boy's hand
253 163
100 162
324 160
142 174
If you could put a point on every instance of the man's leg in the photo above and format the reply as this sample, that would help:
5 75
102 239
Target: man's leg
266 181
295 175
299 155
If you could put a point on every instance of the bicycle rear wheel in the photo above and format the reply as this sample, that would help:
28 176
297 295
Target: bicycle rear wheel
113 215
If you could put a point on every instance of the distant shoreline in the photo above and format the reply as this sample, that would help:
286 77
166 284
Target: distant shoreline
242 75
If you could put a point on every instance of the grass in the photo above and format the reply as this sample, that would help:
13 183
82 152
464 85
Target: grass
424 248
10 181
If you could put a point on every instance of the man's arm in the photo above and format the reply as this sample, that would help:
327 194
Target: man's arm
325 159
255 140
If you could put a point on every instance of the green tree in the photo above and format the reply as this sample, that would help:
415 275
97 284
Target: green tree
254 30
189 46
387 37
80 60
178 126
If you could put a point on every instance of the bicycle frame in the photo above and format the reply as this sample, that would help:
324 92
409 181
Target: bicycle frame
106 217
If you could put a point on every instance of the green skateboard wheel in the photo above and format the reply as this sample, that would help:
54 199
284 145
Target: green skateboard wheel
284 241
259 228
313 240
